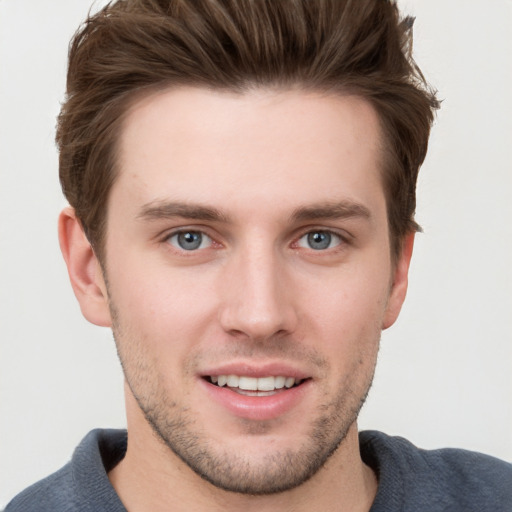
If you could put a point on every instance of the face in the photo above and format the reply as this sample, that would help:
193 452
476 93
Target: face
249 277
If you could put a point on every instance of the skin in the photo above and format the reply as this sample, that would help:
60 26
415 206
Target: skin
253 175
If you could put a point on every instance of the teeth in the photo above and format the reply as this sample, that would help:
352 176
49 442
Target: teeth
253 383
289 382
279 382
264 383
232 381
247 383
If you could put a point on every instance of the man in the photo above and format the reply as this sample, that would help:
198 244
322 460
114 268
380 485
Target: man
241 178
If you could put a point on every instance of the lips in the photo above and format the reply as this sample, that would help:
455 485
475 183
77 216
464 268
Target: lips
254 392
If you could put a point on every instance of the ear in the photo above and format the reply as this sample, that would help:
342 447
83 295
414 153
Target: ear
400 282
84 270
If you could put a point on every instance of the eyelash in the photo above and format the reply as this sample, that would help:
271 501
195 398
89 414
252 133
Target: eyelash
326 238
343 240
167 239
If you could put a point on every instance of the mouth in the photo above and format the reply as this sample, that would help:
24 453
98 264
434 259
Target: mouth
255 386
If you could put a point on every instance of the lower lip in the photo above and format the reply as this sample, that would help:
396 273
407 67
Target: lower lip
257 408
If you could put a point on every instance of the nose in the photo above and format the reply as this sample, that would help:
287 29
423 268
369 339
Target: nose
257 297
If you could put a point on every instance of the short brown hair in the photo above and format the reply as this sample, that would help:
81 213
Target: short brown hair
359 47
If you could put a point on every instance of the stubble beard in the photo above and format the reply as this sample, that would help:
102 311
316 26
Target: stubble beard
275 472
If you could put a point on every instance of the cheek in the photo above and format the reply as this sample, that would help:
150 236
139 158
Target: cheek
349 300
160 305
347 316
157 329
148 281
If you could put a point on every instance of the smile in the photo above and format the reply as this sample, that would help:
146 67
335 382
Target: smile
254 386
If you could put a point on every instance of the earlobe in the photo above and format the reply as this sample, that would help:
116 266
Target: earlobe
84 269
400 282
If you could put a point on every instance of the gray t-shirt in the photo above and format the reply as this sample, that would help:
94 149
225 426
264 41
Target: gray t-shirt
410 479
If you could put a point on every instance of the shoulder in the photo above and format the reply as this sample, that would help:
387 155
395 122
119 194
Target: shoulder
446 479
82 485
52 493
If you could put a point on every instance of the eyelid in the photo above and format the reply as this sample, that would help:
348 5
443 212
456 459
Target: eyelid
167 235
335 238
344 236
205 241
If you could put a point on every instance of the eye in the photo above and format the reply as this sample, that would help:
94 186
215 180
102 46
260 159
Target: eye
319 240
190 240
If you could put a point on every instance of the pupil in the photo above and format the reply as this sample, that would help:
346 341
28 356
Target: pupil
189 240
319 240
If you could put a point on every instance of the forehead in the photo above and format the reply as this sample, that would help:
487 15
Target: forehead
263 148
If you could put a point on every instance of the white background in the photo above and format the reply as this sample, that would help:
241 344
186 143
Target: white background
444 376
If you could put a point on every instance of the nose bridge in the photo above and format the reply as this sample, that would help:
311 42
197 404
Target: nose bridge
257 302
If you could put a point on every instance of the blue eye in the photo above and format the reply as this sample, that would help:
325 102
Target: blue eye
319 240
190 240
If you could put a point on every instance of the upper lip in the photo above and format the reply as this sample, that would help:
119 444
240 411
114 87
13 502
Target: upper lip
256 370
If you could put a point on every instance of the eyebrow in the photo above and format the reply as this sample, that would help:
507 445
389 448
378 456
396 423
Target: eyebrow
331 210
157 210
